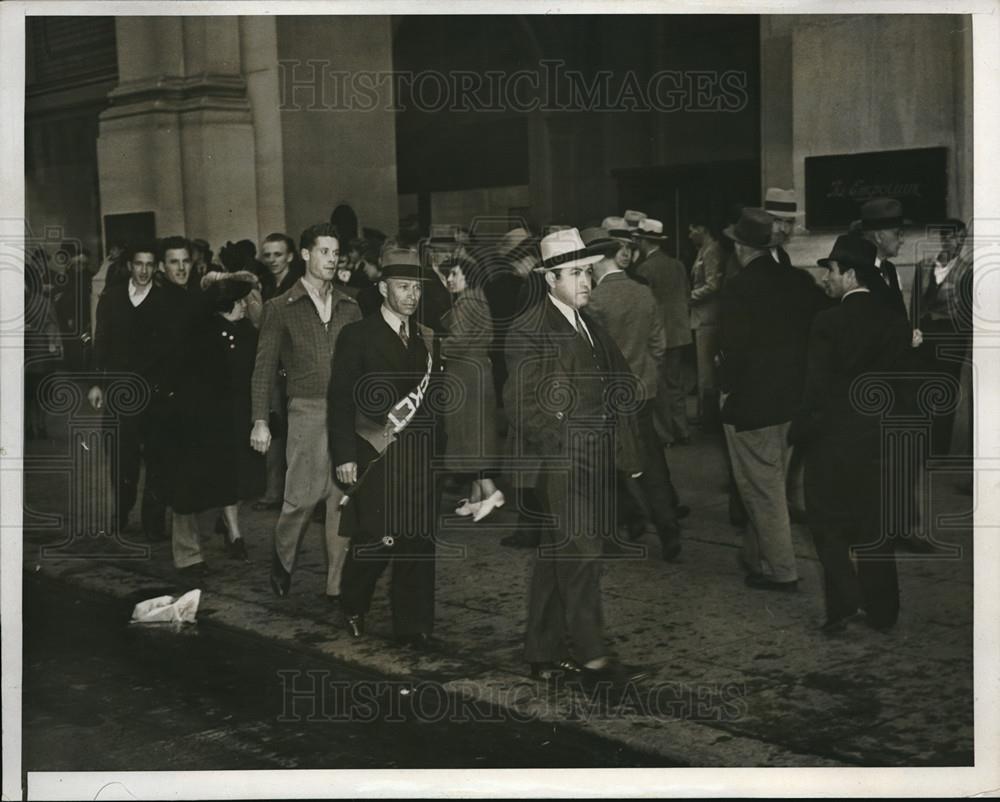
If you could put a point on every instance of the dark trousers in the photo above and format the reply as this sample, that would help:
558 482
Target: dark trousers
411 593
137 443
874 584
652 496
941 333
564 599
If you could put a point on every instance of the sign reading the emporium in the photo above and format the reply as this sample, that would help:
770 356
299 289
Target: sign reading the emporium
836 186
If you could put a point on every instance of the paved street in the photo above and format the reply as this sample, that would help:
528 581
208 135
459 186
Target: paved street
740 677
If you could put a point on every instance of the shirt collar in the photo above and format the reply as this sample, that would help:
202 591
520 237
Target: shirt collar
851 292
135 290
611 272
315 293
568 311
878 261
394 320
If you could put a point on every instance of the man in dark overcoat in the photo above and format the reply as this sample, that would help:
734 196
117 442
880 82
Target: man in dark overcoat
855 343
572 401
382 436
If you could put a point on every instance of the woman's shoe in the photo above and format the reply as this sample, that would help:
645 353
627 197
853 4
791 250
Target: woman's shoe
486 506
465 508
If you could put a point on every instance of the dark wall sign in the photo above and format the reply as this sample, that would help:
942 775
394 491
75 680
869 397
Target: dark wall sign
836 186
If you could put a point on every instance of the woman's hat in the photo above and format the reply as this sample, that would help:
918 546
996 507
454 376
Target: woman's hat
851 252
565 248
754 229
781 203
221 290
402 263
651 229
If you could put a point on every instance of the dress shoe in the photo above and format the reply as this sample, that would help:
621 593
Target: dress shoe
466 508
837 625
522 540
761 582
261 506
671 544
612 677
552 669
237 550
421 641
356 625
281 580
489 504
332 600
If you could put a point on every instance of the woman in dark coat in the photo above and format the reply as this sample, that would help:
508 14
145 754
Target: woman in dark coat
471 426
214 465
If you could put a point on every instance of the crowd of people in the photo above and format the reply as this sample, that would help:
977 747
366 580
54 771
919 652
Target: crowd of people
344 377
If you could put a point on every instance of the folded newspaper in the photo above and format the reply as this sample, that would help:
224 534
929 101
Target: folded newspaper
167 609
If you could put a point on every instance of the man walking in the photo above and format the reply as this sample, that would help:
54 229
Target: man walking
130 340
562 365
382 436
300 328
842 444
669 282
766 312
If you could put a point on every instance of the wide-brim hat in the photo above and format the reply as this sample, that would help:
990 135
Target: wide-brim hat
882 213
221 290
598 240
516 242
754 229
618 228
633 217
565 248
402 263
444 235
651 229
781 203
851 252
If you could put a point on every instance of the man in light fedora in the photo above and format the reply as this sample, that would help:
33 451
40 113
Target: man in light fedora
571 399
381 436
784 210
765 315
670 285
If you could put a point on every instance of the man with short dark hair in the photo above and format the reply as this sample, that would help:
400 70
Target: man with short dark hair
130 340
300 329
859 337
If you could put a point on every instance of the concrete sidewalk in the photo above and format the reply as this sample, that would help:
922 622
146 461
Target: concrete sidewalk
739 677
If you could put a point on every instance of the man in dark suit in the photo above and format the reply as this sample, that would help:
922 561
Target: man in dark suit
130 339
882 224
783 208
842 440
565 373
668 279
766 311
382 436
629 313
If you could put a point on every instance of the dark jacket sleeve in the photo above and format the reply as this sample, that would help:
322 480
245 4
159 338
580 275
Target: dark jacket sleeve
529 371
624 404
808 422
102 337
341 407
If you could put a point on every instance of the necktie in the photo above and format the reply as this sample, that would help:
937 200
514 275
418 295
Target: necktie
581 330
403 336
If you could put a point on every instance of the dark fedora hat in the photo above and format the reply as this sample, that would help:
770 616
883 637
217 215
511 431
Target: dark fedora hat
754 229
599 240
221 290
881 213
851 251
402 263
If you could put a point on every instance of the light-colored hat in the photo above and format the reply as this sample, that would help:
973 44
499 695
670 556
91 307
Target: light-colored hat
402 263
632 218
781 203
651 229
444 234
565 248
617 227
513 239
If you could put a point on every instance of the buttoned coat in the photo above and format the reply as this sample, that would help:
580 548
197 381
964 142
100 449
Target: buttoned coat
669 282
629 313
544 381
291 331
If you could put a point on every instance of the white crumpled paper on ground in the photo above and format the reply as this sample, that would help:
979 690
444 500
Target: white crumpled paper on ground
167 609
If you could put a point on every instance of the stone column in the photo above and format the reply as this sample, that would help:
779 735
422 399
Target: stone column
178 138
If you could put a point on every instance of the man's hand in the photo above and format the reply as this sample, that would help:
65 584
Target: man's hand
347 474
918 338
260 437
96 397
